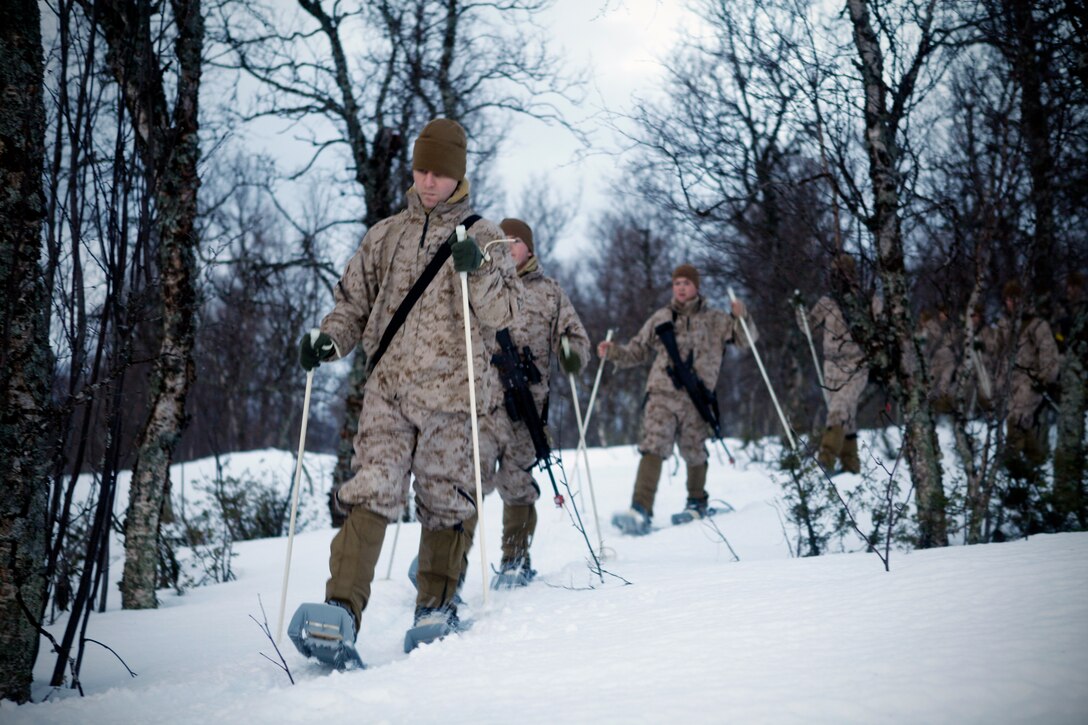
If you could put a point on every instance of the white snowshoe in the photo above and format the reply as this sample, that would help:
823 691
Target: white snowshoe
698 510
432 625
513 574
325 632
633 522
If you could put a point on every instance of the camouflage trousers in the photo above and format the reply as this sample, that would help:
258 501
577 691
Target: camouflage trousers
669 419
398 440
845 382
507 458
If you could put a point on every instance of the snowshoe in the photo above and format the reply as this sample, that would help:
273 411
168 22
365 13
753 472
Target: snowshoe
325 632
633 522
513 574
695 510
432 624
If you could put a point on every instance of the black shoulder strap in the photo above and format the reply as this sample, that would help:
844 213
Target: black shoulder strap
421 284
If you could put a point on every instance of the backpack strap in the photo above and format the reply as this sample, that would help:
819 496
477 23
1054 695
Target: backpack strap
421 284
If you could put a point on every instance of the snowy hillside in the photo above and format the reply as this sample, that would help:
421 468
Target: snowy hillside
683 633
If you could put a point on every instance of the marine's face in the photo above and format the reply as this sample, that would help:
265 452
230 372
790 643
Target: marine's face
683 289
519 250
433 189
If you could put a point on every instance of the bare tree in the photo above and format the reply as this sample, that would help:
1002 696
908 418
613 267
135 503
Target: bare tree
24 352
886 108
167 140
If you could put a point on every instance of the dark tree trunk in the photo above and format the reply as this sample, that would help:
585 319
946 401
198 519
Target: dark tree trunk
24 355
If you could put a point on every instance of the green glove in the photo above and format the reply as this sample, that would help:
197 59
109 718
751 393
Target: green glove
466 254
314 349
569 359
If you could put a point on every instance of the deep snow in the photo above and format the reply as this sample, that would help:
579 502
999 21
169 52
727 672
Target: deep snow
993 634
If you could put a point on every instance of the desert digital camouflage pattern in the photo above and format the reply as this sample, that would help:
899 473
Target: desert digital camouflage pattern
544 314
845 374
415 413
669 415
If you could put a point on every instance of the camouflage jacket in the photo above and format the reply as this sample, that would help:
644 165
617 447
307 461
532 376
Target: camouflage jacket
699 328
425 363
543 315
1036 359
838 344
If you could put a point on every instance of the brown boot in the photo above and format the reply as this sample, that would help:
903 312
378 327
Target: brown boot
830 447
352 557
697 483
849 454
441 556
649 471
518 527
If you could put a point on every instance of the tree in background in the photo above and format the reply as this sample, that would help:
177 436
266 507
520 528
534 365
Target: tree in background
167 139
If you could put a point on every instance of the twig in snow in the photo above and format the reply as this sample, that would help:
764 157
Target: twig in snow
282 664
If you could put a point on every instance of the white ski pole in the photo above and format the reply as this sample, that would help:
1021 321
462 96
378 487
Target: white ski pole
767 380
812 349
589 411
393 549
593 393
294 494
582 446
475 423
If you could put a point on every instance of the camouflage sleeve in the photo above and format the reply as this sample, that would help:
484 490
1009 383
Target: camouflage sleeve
494 287
639 350
1049 358
568 323
353 295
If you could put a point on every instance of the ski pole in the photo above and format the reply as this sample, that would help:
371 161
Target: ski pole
593 393
461 234
589 410
393 549
767 380
582 444
812 348
294 494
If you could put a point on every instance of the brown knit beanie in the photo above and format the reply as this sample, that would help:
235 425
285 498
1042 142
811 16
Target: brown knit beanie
517 229
687 271
441 148
1012 289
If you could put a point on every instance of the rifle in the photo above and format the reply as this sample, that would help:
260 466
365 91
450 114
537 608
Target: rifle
517 372
683 376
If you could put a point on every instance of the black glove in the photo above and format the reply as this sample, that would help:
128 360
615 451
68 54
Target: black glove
569 361
466 254
314 349
341 508
797 299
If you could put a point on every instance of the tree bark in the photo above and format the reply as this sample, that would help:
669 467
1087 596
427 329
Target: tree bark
170 146
902 357
24 357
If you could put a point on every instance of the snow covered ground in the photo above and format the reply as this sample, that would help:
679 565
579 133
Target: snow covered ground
683 633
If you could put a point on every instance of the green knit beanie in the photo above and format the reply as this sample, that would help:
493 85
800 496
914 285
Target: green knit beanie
441 148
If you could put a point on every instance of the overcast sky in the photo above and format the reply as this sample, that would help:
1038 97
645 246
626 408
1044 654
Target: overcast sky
621 43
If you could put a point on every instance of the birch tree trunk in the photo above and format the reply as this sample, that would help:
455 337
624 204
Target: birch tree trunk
170 146
24 355
904 359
